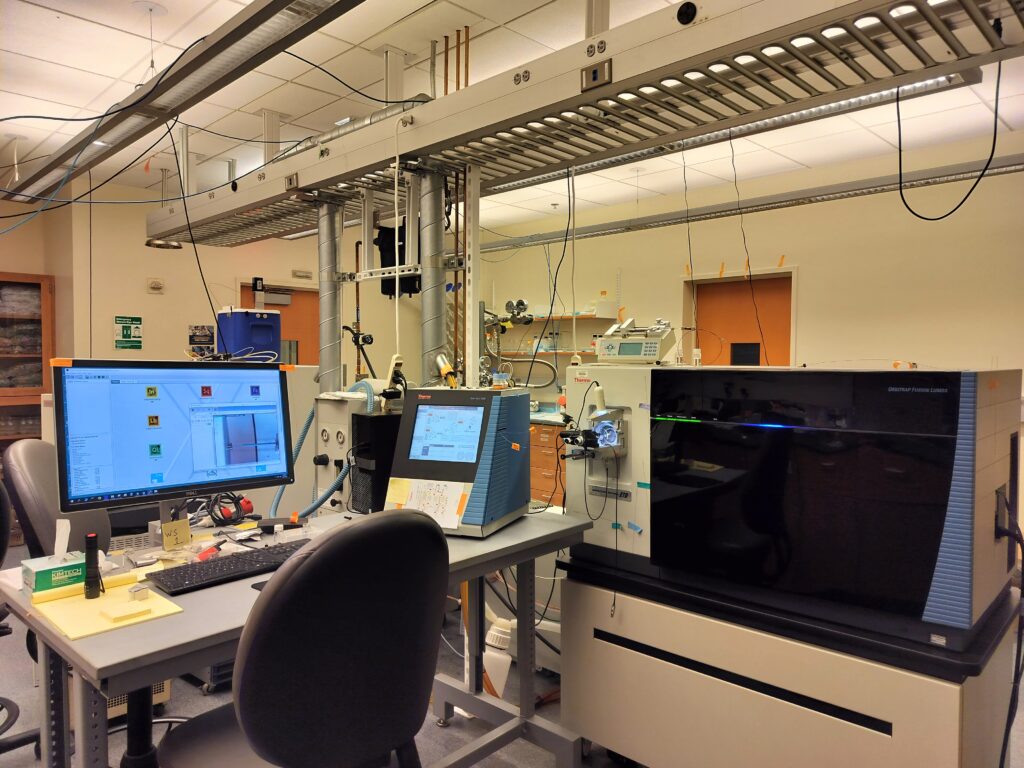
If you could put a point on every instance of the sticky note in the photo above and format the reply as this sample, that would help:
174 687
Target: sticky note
516 447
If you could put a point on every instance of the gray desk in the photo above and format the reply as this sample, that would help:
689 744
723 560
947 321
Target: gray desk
208 629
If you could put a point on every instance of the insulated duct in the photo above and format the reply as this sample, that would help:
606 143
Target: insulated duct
432 279
330 325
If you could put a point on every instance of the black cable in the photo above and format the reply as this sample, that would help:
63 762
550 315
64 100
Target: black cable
92 189
90 262
544 613
1018 664
583 404
245 141
26 160
353 88
109 112
195 248
984 170
554 284
746 250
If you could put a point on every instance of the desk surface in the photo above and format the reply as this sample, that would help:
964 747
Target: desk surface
208 629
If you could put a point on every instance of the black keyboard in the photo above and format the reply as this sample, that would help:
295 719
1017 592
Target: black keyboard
225 568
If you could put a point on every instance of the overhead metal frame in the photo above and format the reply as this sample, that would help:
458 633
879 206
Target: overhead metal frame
856 55
256 34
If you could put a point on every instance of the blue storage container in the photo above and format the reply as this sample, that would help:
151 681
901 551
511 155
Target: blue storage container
249 330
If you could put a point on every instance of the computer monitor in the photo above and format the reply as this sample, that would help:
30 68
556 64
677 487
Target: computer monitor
129 432
442 434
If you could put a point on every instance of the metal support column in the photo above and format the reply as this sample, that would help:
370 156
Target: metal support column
90 725
369 256
394 74
56 747
185 161
271 134
431 249
472 320
330 298
598 17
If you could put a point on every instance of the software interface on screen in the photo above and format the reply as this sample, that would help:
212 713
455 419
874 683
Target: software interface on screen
135 432
446 433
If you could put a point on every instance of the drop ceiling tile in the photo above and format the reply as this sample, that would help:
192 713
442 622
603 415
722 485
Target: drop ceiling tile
14 104
629 172
804 131
368 19
825 150
291 99
32 77
920 105
240 125
414 33
717 151
121 15
749 165
204 113
203 23
624 11
614 193
1011 85
249 86
1011 111
671 182
506 214
109 52
941 127
317 48
357 67
556 25
500 50
501 11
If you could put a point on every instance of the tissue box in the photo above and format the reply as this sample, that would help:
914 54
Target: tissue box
44 573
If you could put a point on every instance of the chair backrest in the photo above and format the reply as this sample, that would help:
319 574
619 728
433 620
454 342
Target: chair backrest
30 475
336 661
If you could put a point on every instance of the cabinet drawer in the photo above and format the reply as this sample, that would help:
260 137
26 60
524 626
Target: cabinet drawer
543 457
544 436
543 479
557 500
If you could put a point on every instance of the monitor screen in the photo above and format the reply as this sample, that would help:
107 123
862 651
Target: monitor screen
131 432
446 433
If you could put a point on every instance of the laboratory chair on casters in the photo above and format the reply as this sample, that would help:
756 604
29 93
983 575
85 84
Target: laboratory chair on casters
8 709
336 660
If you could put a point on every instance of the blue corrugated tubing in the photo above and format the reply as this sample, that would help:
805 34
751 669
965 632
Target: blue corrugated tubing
335 487
295 457
364 386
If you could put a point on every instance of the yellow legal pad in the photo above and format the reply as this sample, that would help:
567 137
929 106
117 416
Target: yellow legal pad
77 617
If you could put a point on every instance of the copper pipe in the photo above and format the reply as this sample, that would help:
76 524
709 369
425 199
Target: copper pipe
466 77
446 65
458 59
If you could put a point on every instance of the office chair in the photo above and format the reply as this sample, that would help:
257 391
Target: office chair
8 709
336 660
30 474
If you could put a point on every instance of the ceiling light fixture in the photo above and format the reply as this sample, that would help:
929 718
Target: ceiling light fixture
99 143
167 245
843 106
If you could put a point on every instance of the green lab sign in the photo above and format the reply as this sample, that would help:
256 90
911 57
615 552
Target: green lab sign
127 332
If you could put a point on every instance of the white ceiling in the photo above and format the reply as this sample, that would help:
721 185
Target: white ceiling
76 57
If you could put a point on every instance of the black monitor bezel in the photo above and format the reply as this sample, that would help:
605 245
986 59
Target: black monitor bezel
453 471
180 492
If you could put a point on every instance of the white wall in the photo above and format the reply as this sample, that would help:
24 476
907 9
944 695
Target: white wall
22 249
873 283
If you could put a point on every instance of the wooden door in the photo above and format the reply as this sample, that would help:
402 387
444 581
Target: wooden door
300 322
725 313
